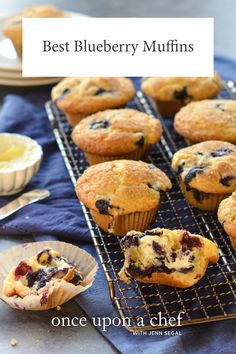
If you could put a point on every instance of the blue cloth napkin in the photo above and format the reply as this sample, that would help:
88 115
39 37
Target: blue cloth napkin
60 216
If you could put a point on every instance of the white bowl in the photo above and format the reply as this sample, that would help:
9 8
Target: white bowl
16 173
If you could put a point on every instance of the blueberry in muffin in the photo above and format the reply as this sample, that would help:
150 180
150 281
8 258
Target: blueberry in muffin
207 120
207 172
79 97
116 134
172 93
39 273
227 217
122 195
168 257
13 27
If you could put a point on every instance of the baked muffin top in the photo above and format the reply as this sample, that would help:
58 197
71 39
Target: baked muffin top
182 89
116 131
209 166
14 23
227 214
162 256
122 187
86 95
43 270
207 120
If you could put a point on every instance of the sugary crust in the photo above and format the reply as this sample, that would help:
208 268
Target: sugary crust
207 120
211 173
126 128
128 186
83 98
13 26
198 88
203 256
227 215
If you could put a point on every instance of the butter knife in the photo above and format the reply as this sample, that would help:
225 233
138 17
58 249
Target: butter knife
20 202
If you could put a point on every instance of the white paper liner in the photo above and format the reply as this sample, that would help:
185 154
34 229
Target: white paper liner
59 293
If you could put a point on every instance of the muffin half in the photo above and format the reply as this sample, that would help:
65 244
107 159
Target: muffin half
116 134
169 257
78 97
207 172
172 93
122 195
207 120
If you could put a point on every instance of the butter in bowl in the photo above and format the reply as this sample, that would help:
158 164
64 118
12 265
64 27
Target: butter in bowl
20 159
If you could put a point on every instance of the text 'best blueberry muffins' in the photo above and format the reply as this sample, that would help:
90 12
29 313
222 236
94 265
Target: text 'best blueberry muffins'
79 97
207 120
172 93
122 195
207 172
13 26
116 134
167 257
227 217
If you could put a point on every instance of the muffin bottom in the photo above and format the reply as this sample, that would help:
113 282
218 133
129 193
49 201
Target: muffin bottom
121 224
138 154
202 200
233 241
18 47
168 108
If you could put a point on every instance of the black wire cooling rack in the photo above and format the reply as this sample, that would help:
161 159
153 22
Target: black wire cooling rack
213 298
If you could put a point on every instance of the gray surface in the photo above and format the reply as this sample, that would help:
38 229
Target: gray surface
33 331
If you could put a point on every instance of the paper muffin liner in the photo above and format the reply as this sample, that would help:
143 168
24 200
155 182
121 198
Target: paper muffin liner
121 224
138 154
168 108
201 200
57 294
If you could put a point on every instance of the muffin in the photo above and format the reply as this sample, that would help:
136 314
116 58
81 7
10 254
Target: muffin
227 217
207 172
38 273
116 134
122 195
78 97
161 256
13 26
172 93
207 120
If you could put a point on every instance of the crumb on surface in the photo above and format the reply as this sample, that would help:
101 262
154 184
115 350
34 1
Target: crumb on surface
13 342
58 308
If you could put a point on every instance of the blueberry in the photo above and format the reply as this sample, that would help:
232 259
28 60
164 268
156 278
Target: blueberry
64 93
185 270
180 168
44 257
100 124
225 181
192 173
77 278
140 142
219 107
36 276
188 241
101 91
103 206
158 249
173 256
129 241
153 232
221 152
182 94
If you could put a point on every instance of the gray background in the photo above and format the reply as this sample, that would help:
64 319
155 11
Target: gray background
33 331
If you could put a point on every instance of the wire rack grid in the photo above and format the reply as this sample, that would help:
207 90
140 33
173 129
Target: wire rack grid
213 298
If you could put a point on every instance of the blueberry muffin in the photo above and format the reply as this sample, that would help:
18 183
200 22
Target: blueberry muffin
78 97
13 26
39 273
172 93
227 217
161 256
207 120
122 195
207 172
116 134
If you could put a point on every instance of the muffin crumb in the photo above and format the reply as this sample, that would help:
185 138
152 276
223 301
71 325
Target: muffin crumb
13 342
